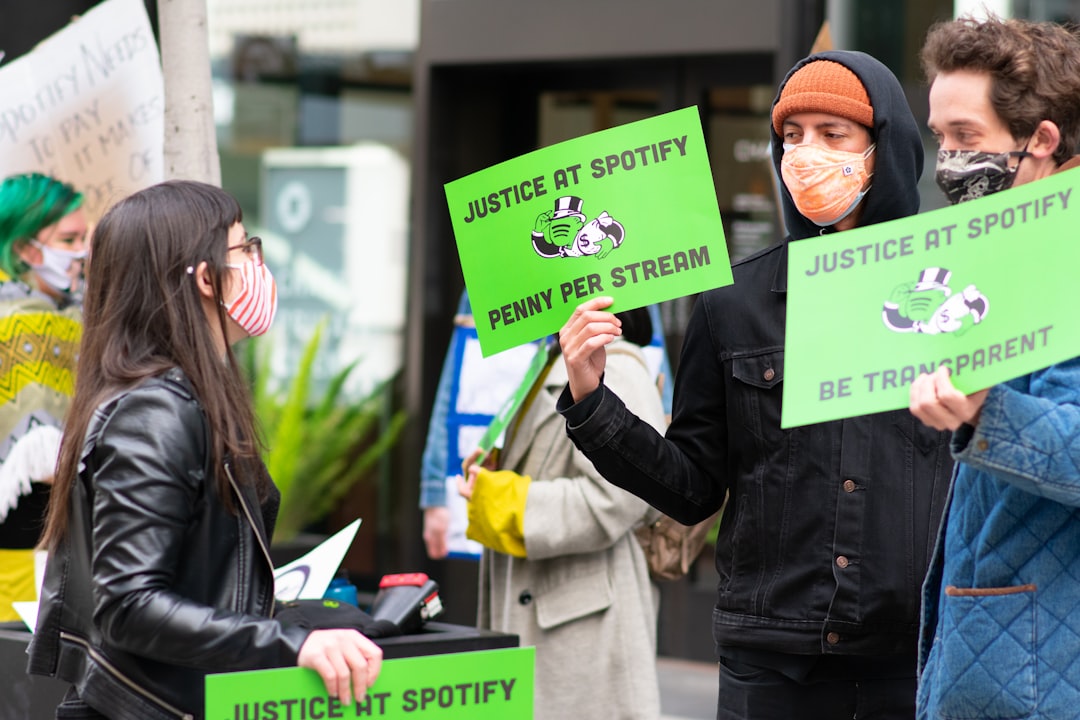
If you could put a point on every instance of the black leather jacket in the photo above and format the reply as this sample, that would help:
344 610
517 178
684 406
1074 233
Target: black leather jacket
156 583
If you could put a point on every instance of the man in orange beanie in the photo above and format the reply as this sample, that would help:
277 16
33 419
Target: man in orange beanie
828 528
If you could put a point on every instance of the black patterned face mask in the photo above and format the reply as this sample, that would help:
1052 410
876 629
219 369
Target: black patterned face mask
969 174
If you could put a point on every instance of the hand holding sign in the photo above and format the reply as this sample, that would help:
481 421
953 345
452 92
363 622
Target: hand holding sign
583 339
342 658
470 468
936 402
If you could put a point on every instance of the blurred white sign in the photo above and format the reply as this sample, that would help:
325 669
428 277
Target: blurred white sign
87 106
307 578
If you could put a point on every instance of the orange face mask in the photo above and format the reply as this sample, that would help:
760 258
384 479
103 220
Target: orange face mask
826 185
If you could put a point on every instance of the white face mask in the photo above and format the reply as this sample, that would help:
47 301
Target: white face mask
55 267
255 305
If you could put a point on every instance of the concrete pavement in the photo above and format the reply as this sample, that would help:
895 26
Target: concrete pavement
687 689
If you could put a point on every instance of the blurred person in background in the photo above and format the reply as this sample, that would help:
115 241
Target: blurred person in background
562 568
44 237
444 528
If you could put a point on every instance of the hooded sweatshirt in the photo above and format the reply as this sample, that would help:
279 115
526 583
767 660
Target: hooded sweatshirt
899 151
829 527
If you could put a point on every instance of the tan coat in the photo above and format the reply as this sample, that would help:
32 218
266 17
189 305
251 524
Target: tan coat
583 596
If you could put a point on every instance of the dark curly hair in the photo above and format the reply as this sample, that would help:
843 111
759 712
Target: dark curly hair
1034 69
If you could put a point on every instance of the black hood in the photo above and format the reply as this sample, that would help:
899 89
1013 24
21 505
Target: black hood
894 191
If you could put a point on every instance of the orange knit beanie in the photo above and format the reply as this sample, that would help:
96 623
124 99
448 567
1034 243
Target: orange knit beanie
824 86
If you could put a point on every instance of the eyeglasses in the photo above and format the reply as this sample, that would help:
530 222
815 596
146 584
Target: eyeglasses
252 248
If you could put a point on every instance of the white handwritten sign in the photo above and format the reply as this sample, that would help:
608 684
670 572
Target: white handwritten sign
87 106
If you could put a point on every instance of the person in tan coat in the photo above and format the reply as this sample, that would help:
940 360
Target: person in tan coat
561 566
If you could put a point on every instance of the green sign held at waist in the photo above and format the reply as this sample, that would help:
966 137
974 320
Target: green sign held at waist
986 288
491 684
628 212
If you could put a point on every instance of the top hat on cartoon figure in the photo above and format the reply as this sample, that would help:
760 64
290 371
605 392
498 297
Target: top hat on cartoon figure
568 206
934 278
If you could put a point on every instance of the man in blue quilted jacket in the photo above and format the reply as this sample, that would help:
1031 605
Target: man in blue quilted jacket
1001 604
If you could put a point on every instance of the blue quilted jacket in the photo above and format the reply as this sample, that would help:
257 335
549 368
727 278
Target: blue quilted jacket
1001 603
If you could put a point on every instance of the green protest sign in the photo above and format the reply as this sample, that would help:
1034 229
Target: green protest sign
985 287
628 212
492 684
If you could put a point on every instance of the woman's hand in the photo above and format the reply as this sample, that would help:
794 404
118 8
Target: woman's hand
937 402
467 483
342 657
583 338
470 468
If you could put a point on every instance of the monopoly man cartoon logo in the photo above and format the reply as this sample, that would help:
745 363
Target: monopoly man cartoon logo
567 232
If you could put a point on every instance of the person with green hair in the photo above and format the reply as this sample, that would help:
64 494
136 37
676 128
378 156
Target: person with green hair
43 234
43 242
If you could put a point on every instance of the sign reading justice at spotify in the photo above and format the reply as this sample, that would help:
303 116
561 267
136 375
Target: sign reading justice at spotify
985 288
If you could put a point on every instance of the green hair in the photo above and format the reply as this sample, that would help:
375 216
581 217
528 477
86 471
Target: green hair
28 204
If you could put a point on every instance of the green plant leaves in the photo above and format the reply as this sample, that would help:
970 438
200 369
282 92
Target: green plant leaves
318 448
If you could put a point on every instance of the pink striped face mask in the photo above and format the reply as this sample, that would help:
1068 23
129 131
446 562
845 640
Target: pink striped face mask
254 307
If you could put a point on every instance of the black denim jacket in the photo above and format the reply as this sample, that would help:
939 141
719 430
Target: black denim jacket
829 527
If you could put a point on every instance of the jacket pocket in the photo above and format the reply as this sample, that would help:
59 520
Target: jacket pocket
756 390
569 599
987 664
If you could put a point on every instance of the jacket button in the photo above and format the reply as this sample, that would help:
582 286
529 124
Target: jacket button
525 597
842 561
832 638
849 486
770 374
982 445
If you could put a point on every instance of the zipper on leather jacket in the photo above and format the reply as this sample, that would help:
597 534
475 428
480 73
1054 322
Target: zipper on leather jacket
254 528
119 675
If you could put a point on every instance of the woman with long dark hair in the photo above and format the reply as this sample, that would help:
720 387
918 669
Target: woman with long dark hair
161 510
